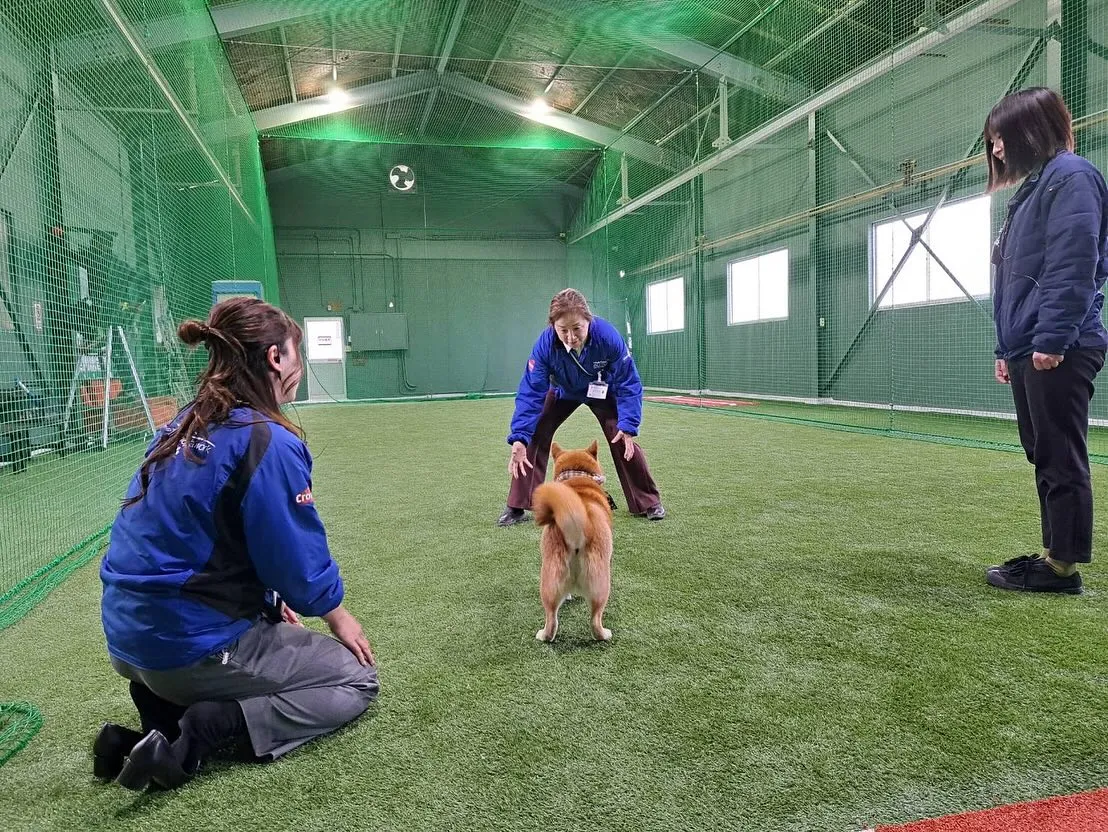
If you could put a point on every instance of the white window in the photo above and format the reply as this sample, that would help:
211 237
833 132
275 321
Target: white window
959 236
758 288
665 306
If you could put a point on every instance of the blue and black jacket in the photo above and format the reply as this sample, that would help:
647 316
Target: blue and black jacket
1051 262
604 356
189 566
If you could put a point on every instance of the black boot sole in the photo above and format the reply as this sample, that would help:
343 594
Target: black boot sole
106 768
110 749
132 777
1001 583
151 762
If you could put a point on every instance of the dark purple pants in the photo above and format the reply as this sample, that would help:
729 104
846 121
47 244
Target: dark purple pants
634 474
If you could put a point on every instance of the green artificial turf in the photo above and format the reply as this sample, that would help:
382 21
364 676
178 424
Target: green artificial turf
805 643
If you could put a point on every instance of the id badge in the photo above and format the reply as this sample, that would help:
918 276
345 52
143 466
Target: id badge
598 390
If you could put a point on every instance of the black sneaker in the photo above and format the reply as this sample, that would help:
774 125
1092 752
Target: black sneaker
655 512
1032 574
511 516
110 748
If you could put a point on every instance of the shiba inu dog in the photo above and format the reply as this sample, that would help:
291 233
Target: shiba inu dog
576 522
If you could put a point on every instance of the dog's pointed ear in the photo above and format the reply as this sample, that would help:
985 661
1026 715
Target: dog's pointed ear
556 450
593 449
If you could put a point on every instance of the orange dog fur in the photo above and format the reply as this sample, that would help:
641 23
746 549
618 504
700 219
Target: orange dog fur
576 526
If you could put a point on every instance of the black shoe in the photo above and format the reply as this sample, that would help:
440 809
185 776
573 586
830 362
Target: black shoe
655 512
511 516
1032 574
110 749
1022 559
152 761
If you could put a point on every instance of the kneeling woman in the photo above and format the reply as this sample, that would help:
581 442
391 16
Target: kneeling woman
590 365
217 548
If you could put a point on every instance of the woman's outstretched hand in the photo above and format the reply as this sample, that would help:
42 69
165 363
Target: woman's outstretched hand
628 444
519 464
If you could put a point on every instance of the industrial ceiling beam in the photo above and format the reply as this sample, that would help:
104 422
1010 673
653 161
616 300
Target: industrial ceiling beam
492 63
288 64
715 61
619 64
839 16
721 64
746 27
237 19
392 89
881 65
396 46
444 59
600 135
379 92
568 60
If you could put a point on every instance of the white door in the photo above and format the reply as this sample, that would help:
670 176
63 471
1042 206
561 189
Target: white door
326 348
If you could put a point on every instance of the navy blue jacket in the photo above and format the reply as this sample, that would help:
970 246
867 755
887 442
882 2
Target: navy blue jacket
188 566
604 354
1051 262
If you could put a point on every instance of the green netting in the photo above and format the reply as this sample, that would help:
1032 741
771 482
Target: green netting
130 179
846 124
470 257
19 722
757 269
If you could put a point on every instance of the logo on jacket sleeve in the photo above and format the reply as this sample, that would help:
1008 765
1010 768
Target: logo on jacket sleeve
531 365
305 498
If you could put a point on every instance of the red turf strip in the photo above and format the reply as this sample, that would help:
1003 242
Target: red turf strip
698 402
1087 812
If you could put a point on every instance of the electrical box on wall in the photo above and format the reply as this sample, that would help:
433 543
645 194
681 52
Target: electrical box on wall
371 331
225 289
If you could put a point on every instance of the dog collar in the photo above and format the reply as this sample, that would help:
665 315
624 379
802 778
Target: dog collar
565 475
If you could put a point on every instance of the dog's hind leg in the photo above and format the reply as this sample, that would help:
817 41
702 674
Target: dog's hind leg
552 590
601 632
551 606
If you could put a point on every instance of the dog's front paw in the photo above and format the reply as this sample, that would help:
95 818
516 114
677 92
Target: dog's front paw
603 634
542 636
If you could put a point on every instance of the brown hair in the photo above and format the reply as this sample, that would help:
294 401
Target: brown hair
569 302
238 334
1034 125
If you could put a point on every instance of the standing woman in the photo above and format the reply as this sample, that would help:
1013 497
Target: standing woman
217 548
1051 261
590 365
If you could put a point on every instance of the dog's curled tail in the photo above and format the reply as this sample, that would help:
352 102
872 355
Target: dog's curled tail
558 505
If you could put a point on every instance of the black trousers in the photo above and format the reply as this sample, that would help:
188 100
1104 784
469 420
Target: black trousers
1052 411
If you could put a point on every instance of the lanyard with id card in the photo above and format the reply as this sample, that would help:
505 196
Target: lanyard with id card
597 389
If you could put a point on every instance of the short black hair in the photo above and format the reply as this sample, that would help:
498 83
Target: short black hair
1034 125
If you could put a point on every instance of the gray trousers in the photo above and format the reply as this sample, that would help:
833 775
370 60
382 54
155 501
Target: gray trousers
292 684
